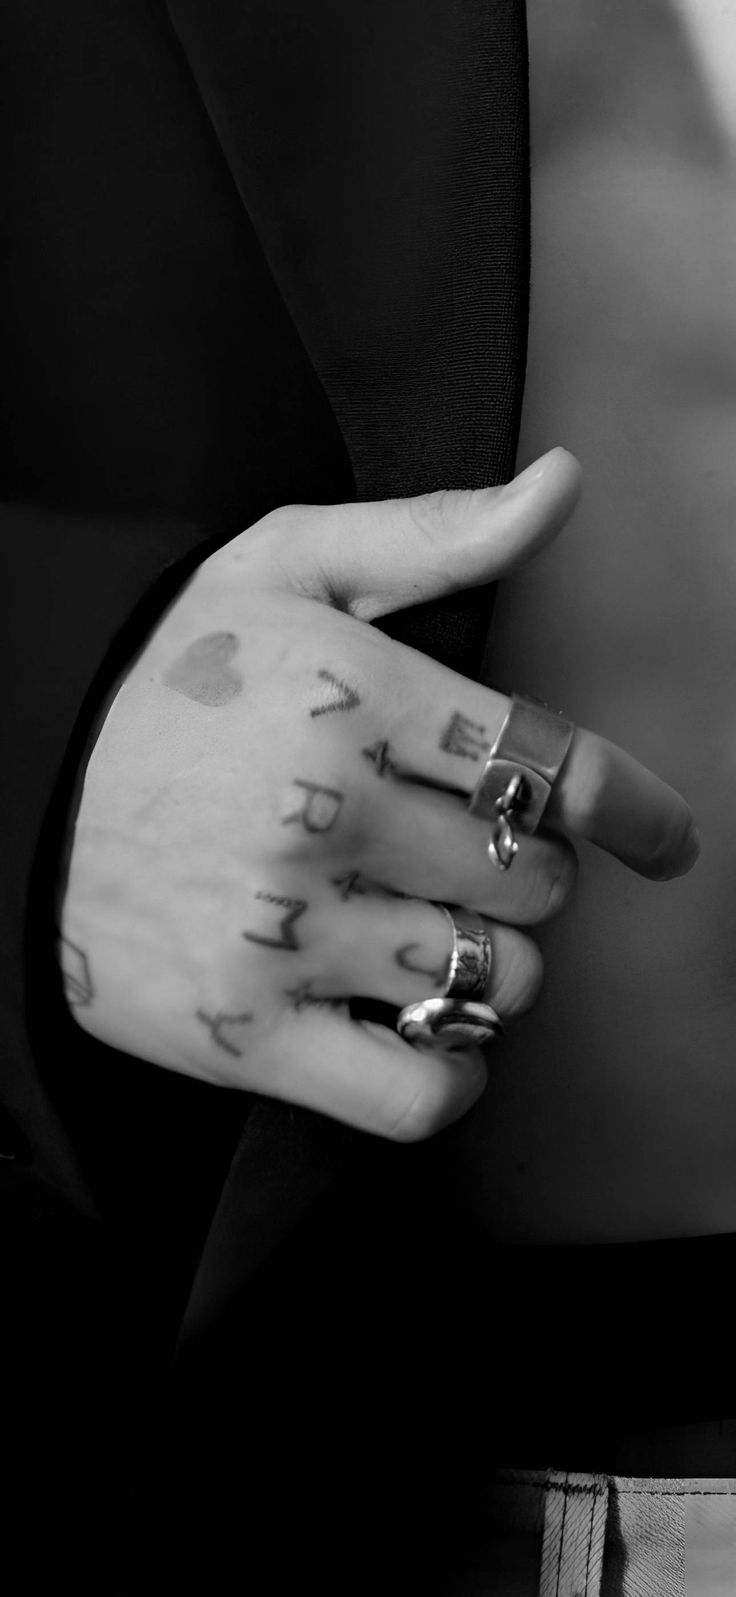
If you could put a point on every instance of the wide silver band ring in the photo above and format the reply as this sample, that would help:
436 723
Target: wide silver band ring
444 1023
517 779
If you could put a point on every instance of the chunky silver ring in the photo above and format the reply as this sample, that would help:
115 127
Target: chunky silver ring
470 960
517 779
442 1023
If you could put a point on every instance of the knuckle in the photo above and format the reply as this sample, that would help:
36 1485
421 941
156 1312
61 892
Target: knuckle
441 1098
437 515
280 530
312 821
564 879
556 881
425 1113
288 518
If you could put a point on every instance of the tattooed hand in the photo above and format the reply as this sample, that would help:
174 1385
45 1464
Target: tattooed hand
277 803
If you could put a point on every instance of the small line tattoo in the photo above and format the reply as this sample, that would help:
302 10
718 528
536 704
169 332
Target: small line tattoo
340 697
215 1023
438 975
204 673
319 808
464 737
287 938
350 885
380 755
78 989
302 995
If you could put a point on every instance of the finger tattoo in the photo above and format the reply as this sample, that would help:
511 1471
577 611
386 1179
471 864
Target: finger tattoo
319 808
215 1023
380 756
437 974
464 737
339 695
350 885
287 937
204 672
302 996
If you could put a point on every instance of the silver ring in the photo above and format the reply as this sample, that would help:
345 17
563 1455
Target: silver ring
442 1023
517 779
470 960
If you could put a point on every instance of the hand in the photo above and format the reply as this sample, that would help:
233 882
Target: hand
276 805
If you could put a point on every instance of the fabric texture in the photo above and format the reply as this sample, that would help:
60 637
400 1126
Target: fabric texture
611 1536
574 1533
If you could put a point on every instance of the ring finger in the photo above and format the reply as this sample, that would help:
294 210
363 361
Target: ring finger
398 951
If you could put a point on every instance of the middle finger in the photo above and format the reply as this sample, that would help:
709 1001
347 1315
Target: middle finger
440 729
424 842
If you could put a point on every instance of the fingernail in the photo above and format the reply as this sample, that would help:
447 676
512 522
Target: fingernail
532 474
666 865
691 847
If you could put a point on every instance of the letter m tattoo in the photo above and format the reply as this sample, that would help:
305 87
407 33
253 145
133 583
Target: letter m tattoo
284 925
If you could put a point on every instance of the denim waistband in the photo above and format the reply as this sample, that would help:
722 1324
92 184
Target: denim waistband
556 1533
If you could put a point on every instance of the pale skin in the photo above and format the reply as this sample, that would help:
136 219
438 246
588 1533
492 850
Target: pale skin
275 806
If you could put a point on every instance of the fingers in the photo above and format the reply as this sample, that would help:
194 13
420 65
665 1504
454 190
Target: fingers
435 726
398 951
441 728
605 795
374 946
375 557
425 843
365 1075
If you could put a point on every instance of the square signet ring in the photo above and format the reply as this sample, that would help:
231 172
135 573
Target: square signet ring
518 776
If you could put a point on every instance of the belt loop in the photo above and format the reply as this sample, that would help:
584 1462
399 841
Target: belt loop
574 1532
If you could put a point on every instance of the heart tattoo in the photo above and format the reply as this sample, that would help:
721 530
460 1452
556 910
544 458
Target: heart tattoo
204 673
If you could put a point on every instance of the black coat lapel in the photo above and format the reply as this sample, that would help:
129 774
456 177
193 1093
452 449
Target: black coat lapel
381 152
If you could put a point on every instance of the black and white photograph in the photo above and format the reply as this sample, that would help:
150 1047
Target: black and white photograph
368 886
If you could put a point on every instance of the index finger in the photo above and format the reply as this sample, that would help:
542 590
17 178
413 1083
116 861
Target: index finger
444 728
605 795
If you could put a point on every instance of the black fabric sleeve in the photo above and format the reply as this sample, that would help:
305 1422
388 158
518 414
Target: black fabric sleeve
381 150
155 399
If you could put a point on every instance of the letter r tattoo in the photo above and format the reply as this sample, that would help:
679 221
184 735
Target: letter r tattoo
319 808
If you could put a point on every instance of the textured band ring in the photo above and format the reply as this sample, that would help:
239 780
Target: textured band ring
470 960
457 1019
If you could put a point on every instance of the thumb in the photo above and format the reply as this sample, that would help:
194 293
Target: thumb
376 557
